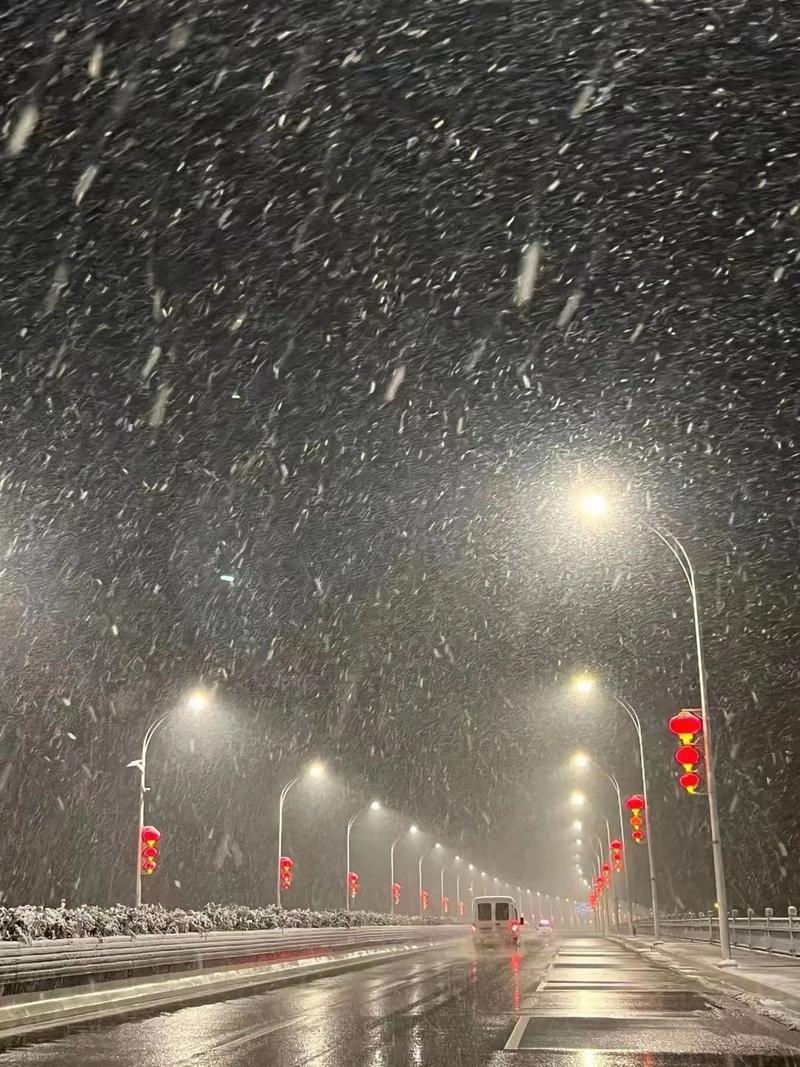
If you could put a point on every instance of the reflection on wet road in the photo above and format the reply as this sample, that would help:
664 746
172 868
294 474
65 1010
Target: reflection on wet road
583 1003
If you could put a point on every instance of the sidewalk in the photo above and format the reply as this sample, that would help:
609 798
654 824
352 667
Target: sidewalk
768 983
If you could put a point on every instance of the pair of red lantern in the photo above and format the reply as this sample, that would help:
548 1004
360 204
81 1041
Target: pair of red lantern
396 887
616 855
148 849
286 872
424 900
353 884
635 805
687 727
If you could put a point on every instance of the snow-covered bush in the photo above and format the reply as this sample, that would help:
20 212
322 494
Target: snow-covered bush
27 922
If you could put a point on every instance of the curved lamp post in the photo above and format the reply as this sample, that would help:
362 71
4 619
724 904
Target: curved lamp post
314 770
411 830
196 701
375 805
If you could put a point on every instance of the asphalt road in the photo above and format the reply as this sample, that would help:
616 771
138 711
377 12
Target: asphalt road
582 1003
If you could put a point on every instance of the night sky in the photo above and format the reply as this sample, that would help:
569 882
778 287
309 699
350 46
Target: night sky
315 317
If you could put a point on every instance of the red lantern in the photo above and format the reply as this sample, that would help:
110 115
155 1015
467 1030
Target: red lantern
637 822
286 871
616 845
686 724
638 836
690 781
461 909
424 899
148 852
396 892
353 884
445 905
606 868
635 804
688 757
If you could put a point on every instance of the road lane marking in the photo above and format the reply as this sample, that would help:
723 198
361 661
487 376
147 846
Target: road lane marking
516 1034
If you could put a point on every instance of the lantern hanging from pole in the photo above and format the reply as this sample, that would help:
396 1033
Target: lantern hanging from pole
148 850
445 905
688 757
424 899
635 804
689 781
396 892
286 871
686 724
353 885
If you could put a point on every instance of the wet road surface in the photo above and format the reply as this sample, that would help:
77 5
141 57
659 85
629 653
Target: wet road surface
582 1003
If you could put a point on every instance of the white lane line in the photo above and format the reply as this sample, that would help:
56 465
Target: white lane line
516 1034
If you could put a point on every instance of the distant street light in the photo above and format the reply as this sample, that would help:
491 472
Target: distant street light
577 799
422 855
374 805
632 714
314 770
412 830
198 700
595 505
615 785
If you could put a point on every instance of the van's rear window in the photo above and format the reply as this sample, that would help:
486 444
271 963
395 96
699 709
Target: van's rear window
501 911
484 913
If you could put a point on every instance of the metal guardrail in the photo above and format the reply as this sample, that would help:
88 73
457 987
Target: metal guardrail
45 964
779 934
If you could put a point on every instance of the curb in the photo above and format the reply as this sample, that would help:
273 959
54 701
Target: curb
28 1014
773 1003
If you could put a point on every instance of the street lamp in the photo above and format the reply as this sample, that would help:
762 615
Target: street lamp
411 830
615 785
313 770
422 856
197 701
374 805
577 799
630 711
595 505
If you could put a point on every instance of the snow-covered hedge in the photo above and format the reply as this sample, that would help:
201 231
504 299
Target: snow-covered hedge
26 922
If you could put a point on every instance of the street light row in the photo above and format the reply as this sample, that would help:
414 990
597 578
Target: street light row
198 700
596 506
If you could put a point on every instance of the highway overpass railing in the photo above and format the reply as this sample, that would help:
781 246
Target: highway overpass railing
46 964
779 934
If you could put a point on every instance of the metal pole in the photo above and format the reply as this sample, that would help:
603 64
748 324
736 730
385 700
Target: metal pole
420 883
633 716
141 765
680 553
458 895
391 874
284 791
441 896
142 788
615 783
347 864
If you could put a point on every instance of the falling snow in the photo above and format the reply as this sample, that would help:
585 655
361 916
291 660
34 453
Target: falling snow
315 320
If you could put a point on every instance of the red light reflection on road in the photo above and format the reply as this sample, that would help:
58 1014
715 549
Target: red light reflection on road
516 964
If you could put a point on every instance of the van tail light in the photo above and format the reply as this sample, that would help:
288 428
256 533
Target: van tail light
474 928
514 927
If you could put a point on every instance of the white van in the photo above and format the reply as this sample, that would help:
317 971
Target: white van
496 921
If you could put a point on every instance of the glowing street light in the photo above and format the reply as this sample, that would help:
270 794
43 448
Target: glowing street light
577 799
313 770
577 826
595 505
583 684
422 856
374 805
198 700
411 831
580 761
